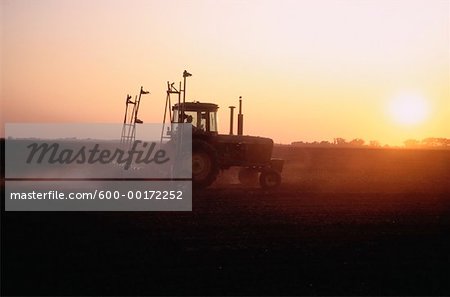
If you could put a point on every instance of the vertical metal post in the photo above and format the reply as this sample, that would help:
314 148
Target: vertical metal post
126 108
165 112
184 87
185 74
179 105
231 118
137 103
240 118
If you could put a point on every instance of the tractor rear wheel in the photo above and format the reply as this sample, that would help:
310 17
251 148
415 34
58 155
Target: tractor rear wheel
204 164
270 179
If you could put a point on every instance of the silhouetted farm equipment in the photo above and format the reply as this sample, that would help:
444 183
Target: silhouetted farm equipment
213 152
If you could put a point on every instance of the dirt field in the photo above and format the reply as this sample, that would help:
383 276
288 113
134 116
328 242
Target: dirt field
344 222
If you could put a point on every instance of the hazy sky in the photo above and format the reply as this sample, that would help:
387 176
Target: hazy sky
307 70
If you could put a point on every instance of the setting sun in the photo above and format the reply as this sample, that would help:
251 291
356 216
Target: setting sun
409 109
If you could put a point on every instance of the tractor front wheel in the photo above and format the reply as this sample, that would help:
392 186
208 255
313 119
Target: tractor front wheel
269 179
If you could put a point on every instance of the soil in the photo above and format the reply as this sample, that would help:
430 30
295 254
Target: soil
344 222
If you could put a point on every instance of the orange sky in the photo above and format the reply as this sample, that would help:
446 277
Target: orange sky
307 70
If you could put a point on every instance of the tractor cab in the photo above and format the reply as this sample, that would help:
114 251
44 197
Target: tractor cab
202 116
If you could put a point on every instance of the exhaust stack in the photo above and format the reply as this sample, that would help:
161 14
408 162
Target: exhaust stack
231 118
240 118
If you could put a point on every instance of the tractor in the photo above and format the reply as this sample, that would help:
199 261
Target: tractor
213 152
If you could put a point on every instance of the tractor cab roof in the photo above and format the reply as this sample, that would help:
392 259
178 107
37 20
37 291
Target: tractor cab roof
197 106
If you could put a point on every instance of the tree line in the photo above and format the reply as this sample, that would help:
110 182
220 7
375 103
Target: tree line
429 142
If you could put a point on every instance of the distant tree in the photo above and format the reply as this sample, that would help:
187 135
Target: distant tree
435 141
324 142
374 143
411 143
357 142
297 143
339 141
430 141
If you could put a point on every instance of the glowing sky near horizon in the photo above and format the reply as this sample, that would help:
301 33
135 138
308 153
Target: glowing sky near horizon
307 70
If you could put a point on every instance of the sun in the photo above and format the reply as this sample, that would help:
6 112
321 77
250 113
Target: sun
409 109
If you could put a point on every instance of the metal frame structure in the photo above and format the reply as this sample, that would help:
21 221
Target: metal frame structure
131 119
168 106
